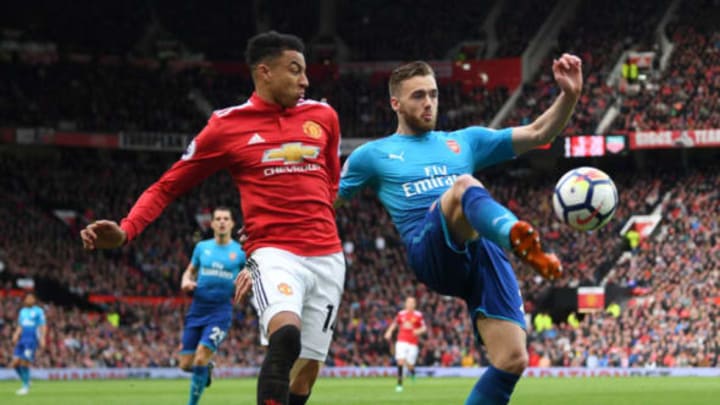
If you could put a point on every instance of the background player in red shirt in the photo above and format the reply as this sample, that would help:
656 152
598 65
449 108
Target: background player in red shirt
410 324
282 151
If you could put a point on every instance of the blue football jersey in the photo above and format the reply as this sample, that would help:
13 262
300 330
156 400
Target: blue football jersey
30 319
410 172
217 266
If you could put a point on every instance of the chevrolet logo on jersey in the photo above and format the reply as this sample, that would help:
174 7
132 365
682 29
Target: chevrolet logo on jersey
290 153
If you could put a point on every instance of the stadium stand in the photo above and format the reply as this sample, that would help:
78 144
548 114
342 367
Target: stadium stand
125 83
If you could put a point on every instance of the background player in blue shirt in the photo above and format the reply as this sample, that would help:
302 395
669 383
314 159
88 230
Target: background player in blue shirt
29 335
453 230
210 275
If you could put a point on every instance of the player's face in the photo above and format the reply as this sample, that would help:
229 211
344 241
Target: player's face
416 103
29 300
222 223
410 304
287 79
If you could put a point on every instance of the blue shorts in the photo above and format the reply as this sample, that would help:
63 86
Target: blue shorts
210 335
25 350
478 272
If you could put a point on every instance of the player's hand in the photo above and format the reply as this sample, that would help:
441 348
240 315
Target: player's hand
568 74
103 234
243 284
388 336
241 235
188 285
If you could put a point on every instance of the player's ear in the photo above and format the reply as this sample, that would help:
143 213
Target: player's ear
394 103
263 72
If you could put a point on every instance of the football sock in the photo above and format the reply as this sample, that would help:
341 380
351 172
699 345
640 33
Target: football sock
412 373
274 379
400 375
19 372
494 388
488 217
25 375
197 383
296 399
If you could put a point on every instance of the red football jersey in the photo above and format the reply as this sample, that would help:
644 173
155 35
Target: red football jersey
408 322
285 163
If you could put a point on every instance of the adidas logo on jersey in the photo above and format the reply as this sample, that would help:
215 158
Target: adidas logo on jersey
256 138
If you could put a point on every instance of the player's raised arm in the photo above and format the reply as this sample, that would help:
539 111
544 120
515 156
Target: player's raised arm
204 156
568 75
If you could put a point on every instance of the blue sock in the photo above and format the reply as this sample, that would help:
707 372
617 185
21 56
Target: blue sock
25 375
494 388
490 219
18 370
197 383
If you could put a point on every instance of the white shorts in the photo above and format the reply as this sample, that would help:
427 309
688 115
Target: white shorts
406 351
310 287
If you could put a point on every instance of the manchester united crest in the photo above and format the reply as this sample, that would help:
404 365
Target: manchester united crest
312 129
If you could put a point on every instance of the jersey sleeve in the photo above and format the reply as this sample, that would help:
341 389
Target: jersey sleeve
195 260
205 155
332 154
488 146
358 172
41 317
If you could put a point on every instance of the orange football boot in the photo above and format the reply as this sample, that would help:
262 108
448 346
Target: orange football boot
525 243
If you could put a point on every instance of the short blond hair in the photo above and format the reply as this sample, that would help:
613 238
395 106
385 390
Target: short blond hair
406 71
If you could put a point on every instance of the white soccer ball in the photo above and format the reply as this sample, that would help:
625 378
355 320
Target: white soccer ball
585 198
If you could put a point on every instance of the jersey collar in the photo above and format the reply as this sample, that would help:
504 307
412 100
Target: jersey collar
258 102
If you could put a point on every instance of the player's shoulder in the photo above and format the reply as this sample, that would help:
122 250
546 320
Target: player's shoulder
317 111
232 111
417 313
236 245
477 130
402 312
308 103
205 243
376 147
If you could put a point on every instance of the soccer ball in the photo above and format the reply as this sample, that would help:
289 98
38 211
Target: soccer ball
585 198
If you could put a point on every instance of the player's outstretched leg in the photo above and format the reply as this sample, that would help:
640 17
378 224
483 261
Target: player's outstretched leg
469 208
274 379
505 342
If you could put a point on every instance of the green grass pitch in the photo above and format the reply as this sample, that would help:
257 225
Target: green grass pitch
377 391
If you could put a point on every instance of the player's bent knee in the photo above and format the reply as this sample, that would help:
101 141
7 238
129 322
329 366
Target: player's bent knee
514 361
202 356
185 362
462 183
